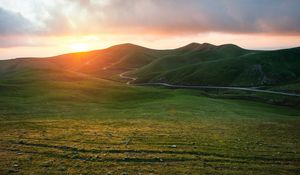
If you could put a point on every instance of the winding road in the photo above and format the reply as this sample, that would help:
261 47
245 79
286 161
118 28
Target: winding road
220 87
250 89
131 79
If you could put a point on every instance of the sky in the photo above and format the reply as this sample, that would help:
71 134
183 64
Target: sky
51 27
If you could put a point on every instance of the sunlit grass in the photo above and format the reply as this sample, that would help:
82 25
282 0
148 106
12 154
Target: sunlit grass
61 122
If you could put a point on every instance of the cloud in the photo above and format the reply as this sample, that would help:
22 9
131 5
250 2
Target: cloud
151 17
13 23
196 16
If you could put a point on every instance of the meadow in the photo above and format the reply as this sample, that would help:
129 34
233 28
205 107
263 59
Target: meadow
62 122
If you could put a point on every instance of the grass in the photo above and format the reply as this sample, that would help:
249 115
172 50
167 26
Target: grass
295 88
146 146
61 122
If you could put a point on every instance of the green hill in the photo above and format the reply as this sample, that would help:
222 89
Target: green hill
225 65
193 64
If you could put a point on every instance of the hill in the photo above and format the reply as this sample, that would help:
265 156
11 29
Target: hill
193 64
225 65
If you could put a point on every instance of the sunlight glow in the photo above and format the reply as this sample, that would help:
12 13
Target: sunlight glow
80 47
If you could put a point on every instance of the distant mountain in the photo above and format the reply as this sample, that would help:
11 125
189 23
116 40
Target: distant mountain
193 64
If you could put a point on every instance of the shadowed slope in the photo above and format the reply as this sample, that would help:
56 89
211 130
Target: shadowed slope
225 65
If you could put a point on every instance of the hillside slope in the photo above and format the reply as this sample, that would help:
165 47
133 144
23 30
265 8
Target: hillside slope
103 63
226 65
193 64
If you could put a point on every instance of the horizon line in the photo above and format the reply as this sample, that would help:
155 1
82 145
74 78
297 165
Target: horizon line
128 43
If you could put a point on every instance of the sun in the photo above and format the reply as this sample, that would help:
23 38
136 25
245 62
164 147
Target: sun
80 47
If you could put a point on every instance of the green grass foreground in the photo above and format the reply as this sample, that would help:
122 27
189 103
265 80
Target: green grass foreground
60 122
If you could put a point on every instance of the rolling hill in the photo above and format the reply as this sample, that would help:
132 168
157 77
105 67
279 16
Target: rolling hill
225 65
193 64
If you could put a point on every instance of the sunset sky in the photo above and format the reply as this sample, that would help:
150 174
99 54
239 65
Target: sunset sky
51 27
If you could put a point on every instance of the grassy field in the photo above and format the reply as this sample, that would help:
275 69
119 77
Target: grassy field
60 122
